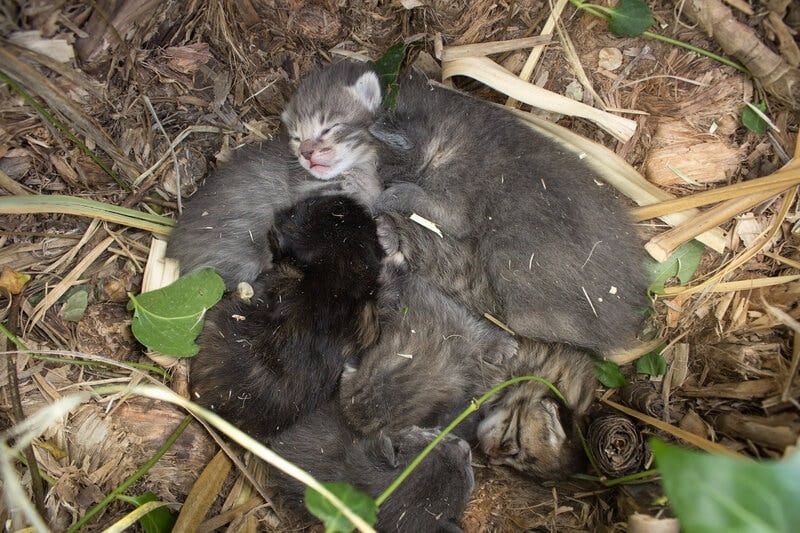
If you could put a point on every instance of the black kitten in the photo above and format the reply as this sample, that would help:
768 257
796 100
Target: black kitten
263 364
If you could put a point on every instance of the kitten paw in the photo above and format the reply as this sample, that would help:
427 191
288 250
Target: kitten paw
402 197
362 185
389 239
503 349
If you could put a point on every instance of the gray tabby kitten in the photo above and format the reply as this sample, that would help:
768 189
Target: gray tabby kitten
432 498
531 234
559 258
433 357
225 224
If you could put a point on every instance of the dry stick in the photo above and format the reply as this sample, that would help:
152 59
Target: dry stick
661 246
740 41
788 200
777 182
13 384
527 69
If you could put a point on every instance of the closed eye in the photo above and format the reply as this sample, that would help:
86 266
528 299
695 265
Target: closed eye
328 129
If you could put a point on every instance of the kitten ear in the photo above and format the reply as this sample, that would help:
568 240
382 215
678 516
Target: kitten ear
367 90
387 450
556 435
390 135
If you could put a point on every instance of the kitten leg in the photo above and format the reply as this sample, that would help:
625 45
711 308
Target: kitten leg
405 197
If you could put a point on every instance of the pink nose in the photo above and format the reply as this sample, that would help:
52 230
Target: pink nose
307 149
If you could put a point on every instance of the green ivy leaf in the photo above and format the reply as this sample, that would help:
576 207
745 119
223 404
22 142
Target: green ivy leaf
752 121
652 364
608 374
168 320
717 493
159 520
75 306
388 68
681 264
630 18
360 503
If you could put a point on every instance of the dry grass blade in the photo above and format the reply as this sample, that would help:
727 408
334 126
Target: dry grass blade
203 493
71 279
527 69
130 519
619 174
661 246
490 73
691 438
734 286
44 88
731 266
246 441
450 53
623 357
774 183
12 186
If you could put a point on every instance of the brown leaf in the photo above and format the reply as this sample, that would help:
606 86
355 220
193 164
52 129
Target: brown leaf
12 282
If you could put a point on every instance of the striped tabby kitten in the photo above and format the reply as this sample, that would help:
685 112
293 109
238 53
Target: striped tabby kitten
433 357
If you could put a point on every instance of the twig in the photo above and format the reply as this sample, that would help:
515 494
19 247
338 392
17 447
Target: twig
37 486
779 181
661 246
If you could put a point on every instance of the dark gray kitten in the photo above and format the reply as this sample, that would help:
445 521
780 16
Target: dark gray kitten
225 224
434 357
262 364
432 498
559 257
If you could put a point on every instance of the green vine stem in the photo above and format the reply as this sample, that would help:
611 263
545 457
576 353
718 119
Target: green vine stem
605 14
82 362
473 406
135 477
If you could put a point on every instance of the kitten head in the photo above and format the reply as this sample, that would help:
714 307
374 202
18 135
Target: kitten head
529 429
437 491
328 118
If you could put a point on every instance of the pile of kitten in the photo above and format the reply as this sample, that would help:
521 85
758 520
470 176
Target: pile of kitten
366 332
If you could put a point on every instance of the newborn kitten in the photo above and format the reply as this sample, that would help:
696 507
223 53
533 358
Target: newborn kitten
328 116
432 498
559 258
433 358
225 224
263 364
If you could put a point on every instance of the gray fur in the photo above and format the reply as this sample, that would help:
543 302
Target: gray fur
433 357
432 498
226 223
538 222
